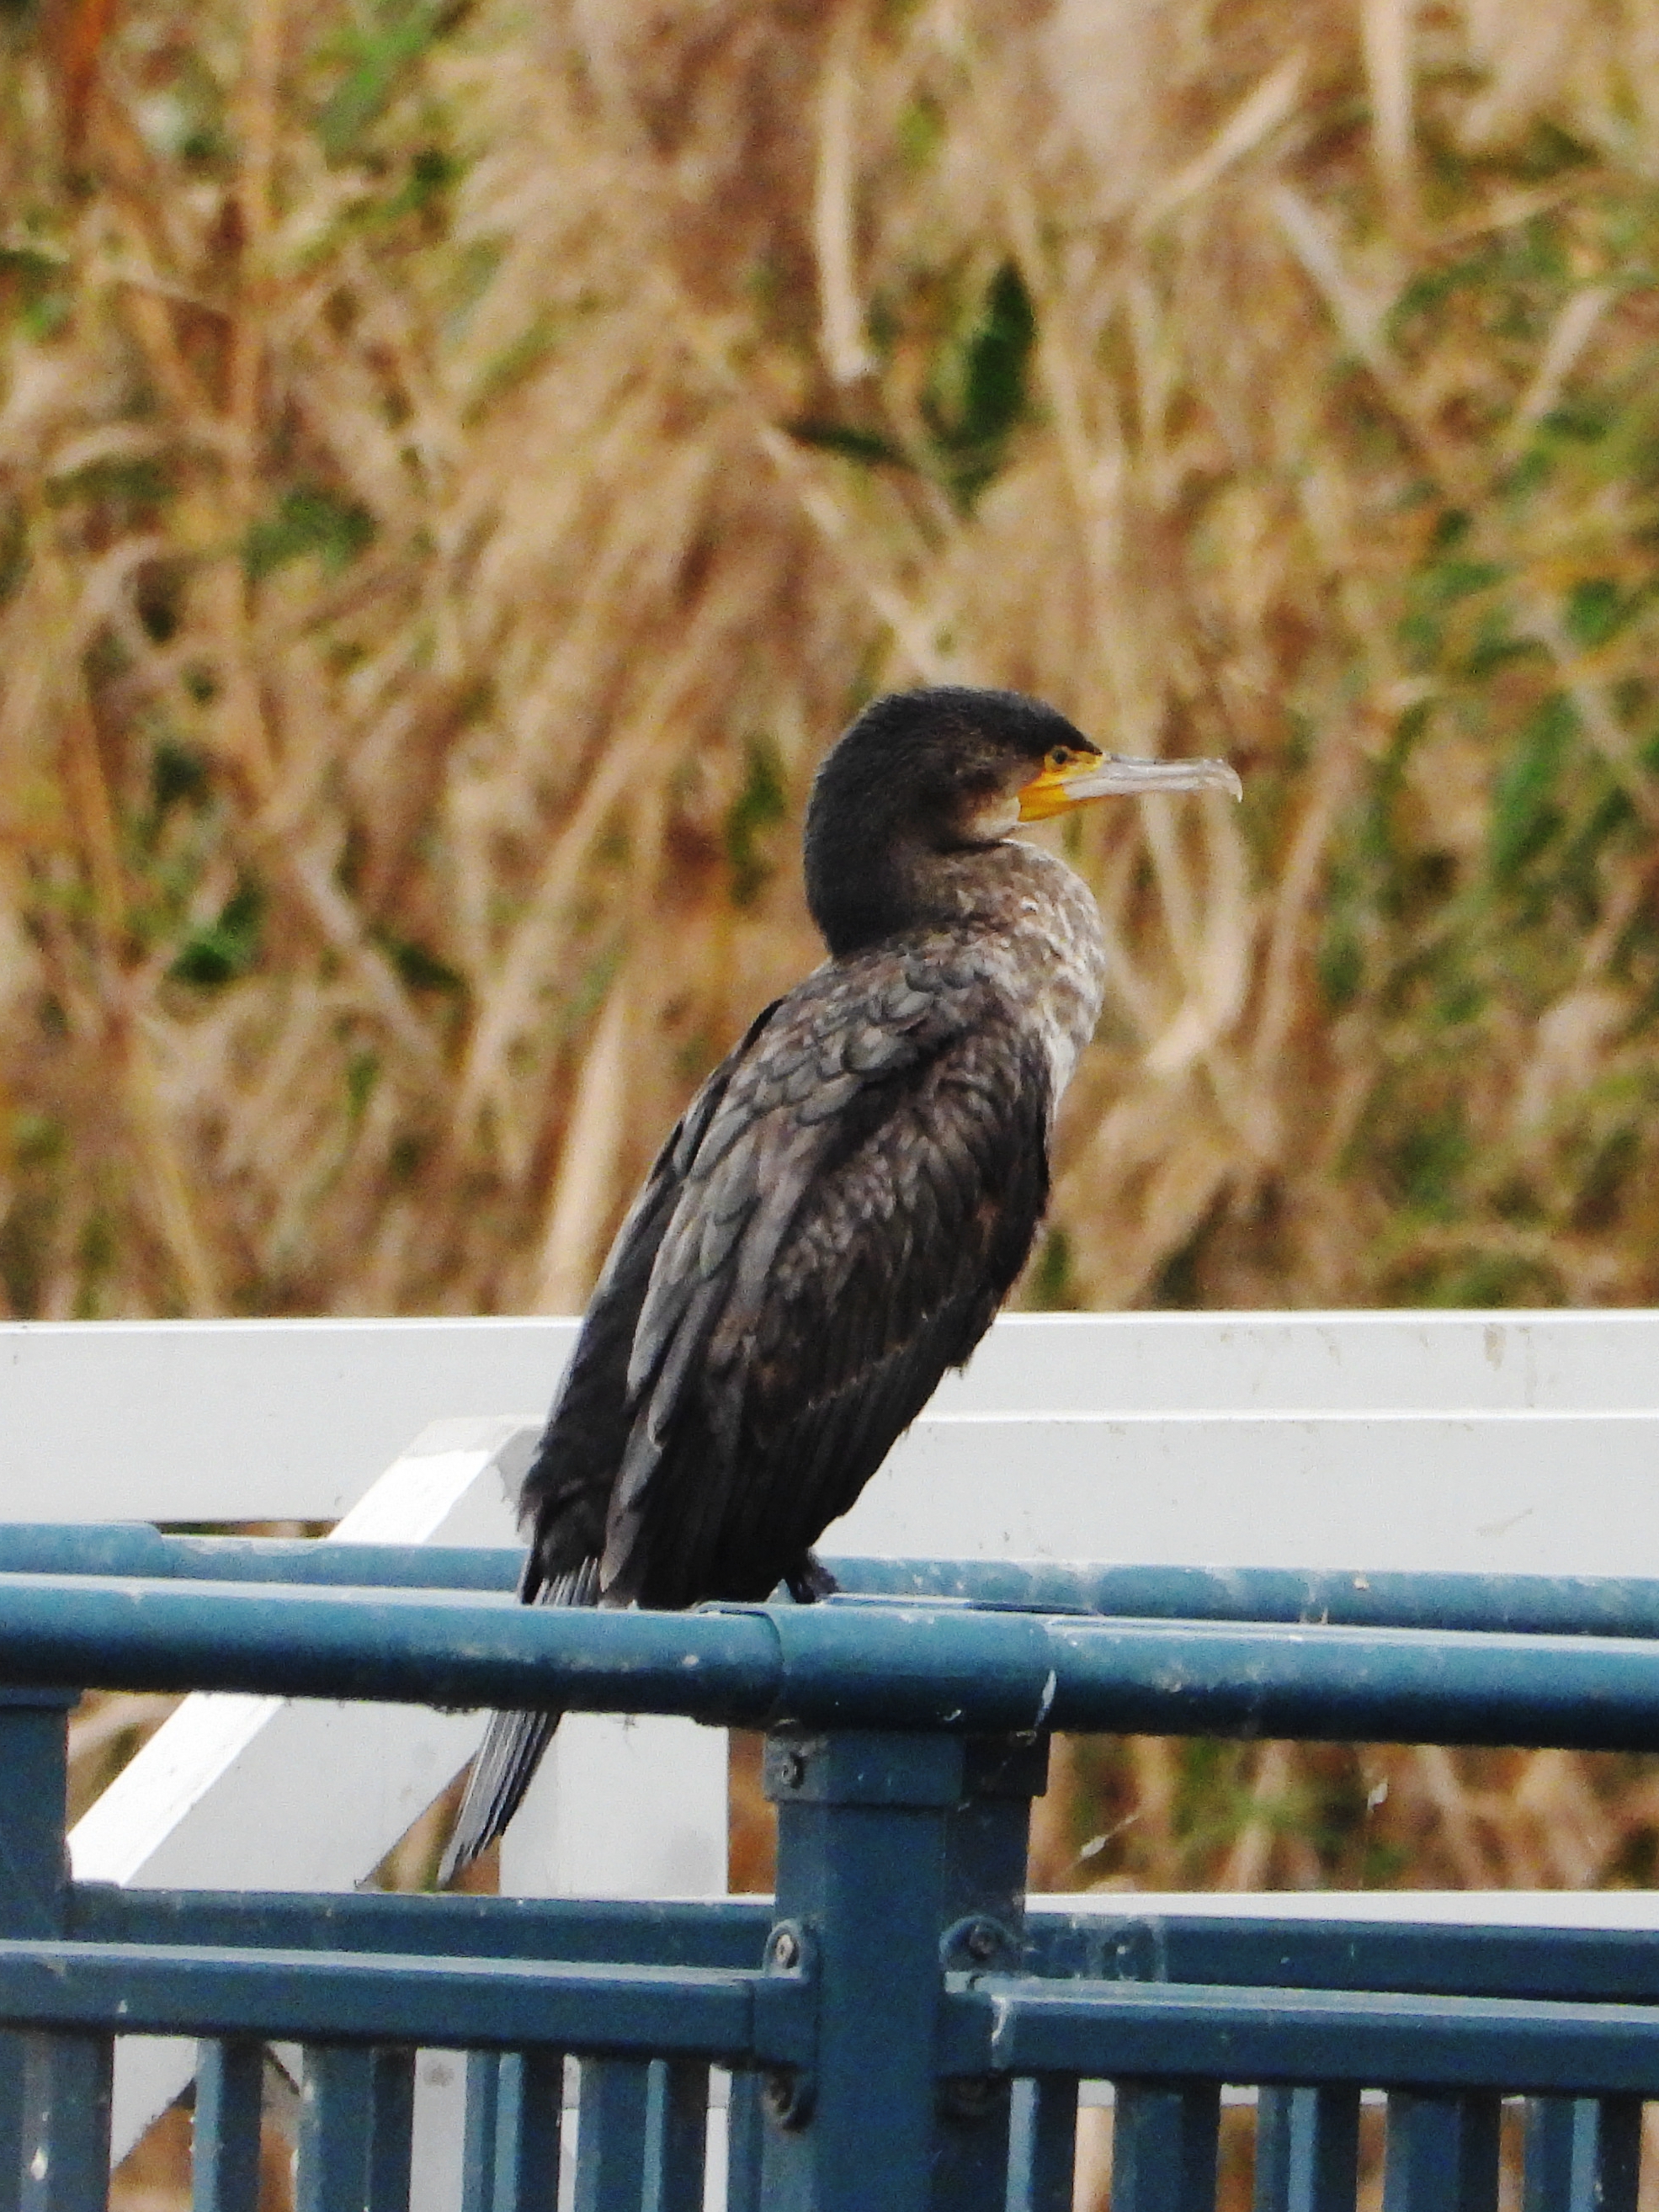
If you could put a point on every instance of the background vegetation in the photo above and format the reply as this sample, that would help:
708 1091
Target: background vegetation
459 464
460 461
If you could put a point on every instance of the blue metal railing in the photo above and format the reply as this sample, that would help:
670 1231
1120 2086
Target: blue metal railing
897 2032
1523 1605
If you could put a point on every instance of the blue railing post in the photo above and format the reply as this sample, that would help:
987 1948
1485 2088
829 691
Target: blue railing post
34 1874
860 1903
896 1852
987 1839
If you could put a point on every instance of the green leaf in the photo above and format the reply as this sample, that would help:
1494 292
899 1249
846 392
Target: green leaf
1051 1287
178 775
1449 581
309 520
382 47
980 392
920 133
362 1074
1450 529
865 446
1583 421
418 967
1341 966
13 548
227 949
1427 1163
761 802
1595 609
128 491
1524 816
1549 150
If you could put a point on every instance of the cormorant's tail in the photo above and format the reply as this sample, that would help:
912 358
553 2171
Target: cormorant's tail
511 1748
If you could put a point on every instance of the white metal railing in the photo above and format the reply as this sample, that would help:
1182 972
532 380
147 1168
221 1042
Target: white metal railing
1504 1441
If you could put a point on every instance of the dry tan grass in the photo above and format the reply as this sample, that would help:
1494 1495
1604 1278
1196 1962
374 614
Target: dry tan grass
457 475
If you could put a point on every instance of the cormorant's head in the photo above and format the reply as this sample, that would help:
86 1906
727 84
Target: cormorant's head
944 770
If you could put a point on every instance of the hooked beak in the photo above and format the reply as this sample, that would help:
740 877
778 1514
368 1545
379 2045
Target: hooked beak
1108 775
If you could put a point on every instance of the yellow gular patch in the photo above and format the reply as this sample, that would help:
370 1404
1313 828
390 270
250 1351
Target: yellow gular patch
1048 792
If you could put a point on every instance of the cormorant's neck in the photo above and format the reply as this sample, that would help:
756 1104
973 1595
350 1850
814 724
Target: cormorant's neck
870 885
902 888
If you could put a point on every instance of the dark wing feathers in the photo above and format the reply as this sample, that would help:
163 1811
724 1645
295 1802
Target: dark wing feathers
567 1492
859 1200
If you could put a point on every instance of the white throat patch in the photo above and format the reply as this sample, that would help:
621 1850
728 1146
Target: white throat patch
994 821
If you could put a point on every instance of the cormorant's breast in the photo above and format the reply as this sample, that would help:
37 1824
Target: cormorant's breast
1031 923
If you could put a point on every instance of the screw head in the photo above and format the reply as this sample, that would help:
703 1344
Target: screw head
970 2097
785 1949
790 1769
981 1941
785 2098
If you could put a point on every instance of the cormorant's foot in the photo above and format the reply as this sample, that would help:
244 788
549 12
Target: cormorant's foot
810 1581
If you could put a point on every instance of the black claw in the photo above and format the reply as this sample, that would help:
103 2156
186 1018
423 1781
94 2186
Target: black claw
810 1581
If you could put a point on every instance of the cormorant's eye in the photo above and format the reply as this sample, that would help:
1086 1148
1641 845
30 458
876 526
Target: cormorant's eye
1059 756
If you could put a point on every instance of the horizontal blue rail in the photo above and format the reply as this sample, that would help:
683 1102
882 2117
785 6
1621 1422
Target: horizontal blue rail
1018 2024
617 2008
1588 1965
134 1548
1000 2024
912 1666
722 1932
1520 1604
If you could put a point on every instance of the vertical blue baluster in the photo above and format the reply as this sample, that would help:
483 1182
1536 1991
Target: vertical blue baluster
331 2172
1552 2139
1163 2146
677 2130
1584 2153
611 2131
391 2123
225 2155
1616 2162
65 2121
355 2112
1307 2151
529 2114
1043 2144
34 1756
478 2134
745 2140
1442 2153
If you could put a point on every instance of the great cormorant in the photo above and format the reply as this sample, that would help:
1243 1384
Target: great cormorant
846 1200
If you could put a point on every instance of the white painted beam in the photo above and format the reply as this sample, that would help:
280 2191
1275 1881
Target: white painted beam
226 1421
1194 1363
294 1420
622 1807
1514 1492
